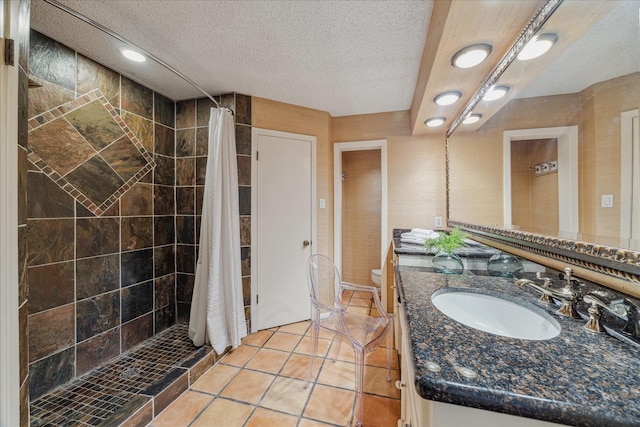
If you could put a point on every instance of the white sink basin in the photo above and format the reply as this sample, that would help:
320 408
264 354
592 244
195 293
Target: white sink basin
491 312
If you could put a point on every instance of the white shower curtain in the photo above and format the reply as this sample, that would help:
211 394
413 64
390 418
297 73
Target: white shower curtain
217 308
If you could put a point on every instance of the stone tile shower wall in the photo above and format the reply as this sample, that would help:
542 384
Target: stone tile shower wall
192 120
97 285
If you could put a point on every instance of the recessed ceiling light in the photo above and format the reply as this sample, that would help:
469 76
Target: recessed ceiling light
132 55
447 98
472 118
496 92
471 56
434 122
538 45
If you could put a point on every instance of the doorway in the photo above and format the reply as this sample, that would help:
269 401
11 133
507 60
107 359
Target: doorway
282 226
360 208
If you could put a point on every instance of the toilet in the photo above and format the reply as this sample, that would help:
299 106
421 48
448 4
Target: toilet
376 277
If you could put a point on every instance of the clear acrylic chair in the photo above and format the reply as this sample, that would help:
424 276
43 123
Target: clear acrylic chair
363 333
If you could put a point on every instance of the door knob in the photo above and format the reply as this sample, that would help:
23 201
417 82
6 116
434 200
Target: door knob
306 243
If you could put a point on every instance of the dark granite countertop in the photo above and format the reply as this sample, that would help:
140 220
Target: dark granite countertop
577 378
476 250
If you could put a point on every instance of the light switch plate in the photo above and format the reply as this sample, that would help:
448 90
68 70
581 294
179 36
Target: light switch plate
438 221
607 200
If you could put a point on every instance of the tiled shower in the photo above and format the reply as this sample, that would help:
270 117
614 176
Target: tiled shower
105 274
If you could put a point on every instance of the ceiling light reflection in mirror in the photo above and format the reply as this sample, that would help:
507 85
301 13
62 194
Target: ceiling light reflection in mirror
471 56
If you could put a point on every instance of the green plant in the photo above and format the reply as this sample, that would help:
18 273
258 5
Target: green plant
447 242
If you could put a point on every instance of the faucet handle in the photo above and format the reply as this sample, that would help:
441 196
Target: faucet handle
593 324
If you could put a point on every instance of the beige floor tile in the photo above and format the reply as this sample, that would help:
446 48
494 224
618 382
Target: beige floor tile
380 411
304 346
299 328
322 333
378 357
282 341
268 360
266 418
224 412
375 382
248 386
298 367
183 410
338 374
215 378
305 422
344 353
240 356
287 395
330 404
360 302
257 338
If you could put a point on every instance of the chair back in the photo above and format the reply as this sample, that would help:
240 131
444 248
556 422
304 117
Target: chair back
323 280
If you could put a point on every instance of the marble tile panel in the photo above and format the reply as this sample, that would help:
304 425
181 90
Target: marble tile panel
50 286
138 200
165 291
245 260
164 230
163 201
164 318
97 314
50 372
97 275
185 143
52 61
23 109
96 179
228 100
51 331
171 390
113 210
185 229
199 199
186 114
136 267
164 260
183 312
185 171
243 109
46 199
137 300
201 170
244 170
23 287
202 141
164 110
244 194
136 98
95 124
164 172
148 178
23 341
24 393
124 158
60 145
141 127
164 141
184 287
97 350
92 75
136 331
243 139
184 200
245 231
136 233
97 236
186 258
48 96
246 290
203 111
50 240
23 167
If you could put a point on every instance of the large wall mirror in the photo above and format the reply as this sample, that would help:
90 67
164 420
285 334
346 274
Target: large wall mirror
559 156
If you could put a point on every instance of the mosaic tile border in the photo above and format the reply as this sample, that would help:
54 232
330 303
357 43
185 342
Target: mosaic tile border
48 116
615 262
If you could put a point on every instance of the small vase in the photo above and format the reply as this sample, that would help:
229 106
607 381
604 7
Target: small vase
504 265
447 263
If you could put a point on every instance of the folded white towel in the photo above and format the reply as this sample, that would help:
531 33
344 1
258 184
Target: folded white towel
421 231
413 240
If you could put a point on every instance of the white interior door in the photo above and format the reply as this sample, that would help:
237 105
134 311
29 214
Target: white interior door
282 226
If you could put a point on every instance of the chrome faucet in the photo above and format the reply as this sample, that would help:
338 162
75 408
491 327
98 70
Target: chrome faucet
593 324
632 327
568 297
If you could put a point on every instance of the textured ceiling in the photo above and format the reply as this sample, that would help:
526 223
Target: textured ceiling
344 57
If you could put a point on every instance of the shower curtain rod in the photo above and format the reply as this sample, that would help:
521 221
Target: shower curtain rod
117 36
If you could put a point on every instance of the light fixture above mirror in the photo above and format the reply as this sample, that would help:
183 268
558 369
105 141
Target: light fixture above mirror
472 118
495 93
434 122
471 56
132 55
537 46
447 98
